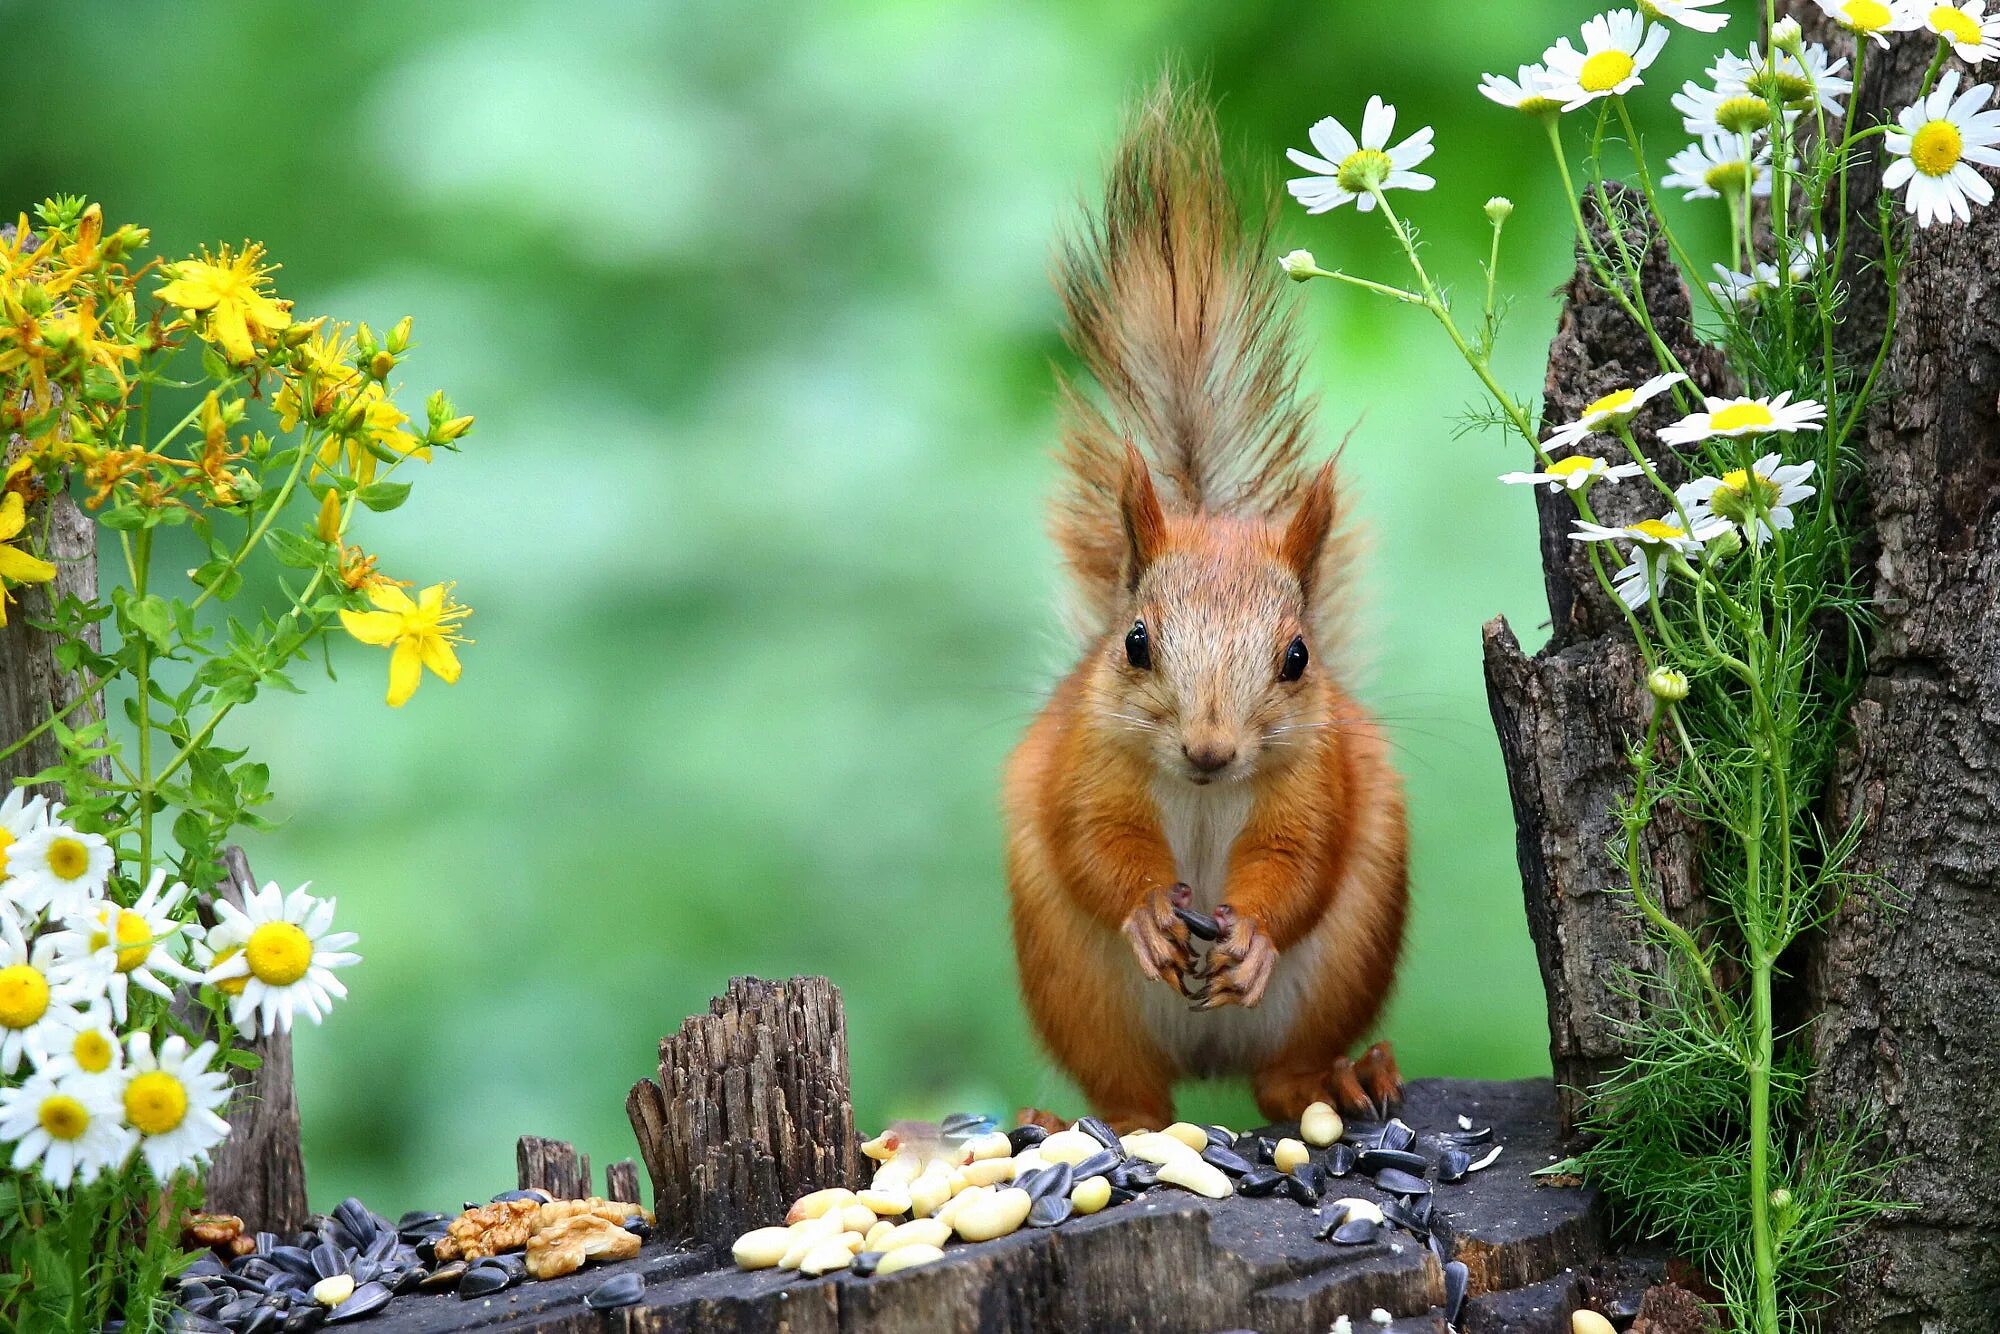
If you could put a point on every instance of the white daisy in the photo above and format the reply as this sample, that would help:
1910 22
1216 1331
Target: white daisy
1734 111
70 1125
171 1102
1873 19
1742 290
1351 170
30 998
1799 81
1617 48
56 868
82 1042
1620 405
1688 13
1935 144
1645 574
1807 252
112 947
1730 418
1973 33
1716 168
1573 473
1531 91
1757 499
20 815
285 959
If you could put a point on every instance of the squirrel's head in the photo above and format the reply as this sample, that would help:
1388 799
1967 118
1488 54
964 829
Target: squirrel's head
1213 669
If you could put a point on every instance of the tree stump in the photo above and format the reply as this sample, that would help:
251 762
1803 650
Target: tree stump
555 1166
259 1172
621 1181
33 683
751 1109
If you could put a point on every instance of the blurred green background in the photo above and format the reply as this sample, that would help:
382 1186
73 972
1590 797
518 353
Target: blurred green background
750 301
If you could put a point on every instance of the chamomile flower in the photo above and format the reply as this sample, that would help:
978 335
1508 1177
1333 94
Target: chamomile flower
1935 144
57 868
30 998
69 1125
1716 168
20 815
1645 574
285 961
1730 418
1693 14
1973 33
1799 81
171 1102
1573 473
1617 49
1618 406
1757 499
111 948
1532 90
1873 19
1731 111
1354 169
81 1041
1742 290
1807 252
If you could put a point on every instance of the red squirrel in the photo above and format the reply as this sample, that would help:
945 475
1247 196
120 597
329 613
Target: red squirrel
1203 753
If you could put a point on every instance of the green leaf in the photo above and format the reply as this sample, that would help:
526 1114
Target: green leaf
123 518
151 616
219 578
298 550
383 496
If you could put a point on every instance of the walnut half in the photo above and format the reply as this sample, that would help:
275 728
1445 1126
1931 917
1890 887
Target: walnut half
564 1247
489 1230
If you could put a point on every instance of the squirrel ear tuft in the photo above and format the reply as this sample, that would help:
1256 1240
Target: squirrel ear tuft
1311 524
1139 510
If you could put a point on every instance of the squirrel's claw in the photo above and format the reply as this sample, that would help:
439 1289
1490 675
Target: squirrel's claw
1240 964
1160 941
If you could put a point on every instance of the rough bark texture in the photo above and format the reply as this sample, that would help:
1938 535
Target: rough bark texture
1908 997
751 1109
32 684
555 1166
621 1181
1567 715
259 1172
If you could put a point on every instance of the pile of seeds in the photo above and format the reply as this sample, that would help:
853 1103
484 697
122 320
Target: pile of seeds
967 1180
350 1264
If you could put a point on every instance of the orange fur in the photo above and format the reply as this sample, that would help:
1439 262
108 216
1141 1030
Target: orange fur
1132 777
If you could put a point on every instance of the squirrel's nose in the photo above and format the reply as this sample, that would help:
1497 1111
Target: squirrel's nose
1208 756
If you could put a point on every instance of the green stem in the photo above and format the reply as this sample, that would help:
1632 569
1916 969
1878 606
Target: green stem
141 567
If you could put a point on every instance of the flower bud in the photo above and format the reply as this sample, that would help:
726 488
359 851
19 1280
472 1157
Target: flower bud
1786 35
1299 265
1667 685
1498 209
328 527
1724 544
399 337
447 432
381 364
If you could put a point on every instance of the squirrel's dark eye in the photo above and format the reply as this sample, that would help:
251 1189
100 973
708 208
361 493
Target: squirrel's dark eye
1295 661
1138 648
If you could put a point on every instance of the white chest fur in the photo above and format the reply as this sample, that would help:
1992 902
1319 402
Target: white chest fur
1201 825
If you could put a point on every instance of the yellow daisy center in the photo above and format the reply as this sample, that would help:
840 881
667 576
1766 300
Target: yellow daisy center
1936 148
1741 416
68 858
1363 170
1576 463
280 953
1742 495
1606 70
1617 401
1866 15
1657 530
1951 22
230 986
135 940
1747 115
155 1102
1728 177
92 1051
24 996
1536 104
6 842
64 1117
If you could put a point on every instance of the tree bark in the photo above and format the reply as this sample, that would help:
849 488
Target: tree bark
33 683
1568 716
1906 987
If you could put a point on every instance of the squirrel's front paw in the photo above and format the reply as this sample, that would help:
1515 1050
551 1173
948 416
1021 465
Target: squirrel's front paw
1160 939
1239 963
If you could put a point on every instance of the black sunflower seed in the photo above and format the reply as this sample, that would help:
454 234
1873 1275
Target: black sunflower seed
1260 1181
1355 1232
1022 1137
1049 1211
1456 1279
1371 1161
1099 1131
1230 1161
622 1290
1398 1182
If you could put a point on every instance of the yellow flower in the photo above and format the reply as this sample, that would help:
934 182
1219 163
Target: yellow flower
16 565
230 289
358 411
422 632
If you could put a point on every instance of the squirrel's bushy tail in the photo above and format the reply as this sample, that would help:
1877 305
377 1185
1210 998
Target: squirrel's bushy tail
1176 308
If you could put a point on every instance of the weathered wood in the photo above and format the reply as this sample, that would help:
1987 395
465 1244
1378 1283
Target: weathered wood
1567 715
555 1166
621 1181
1906 991
33 684
751 1109
1169 1263
259 1172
